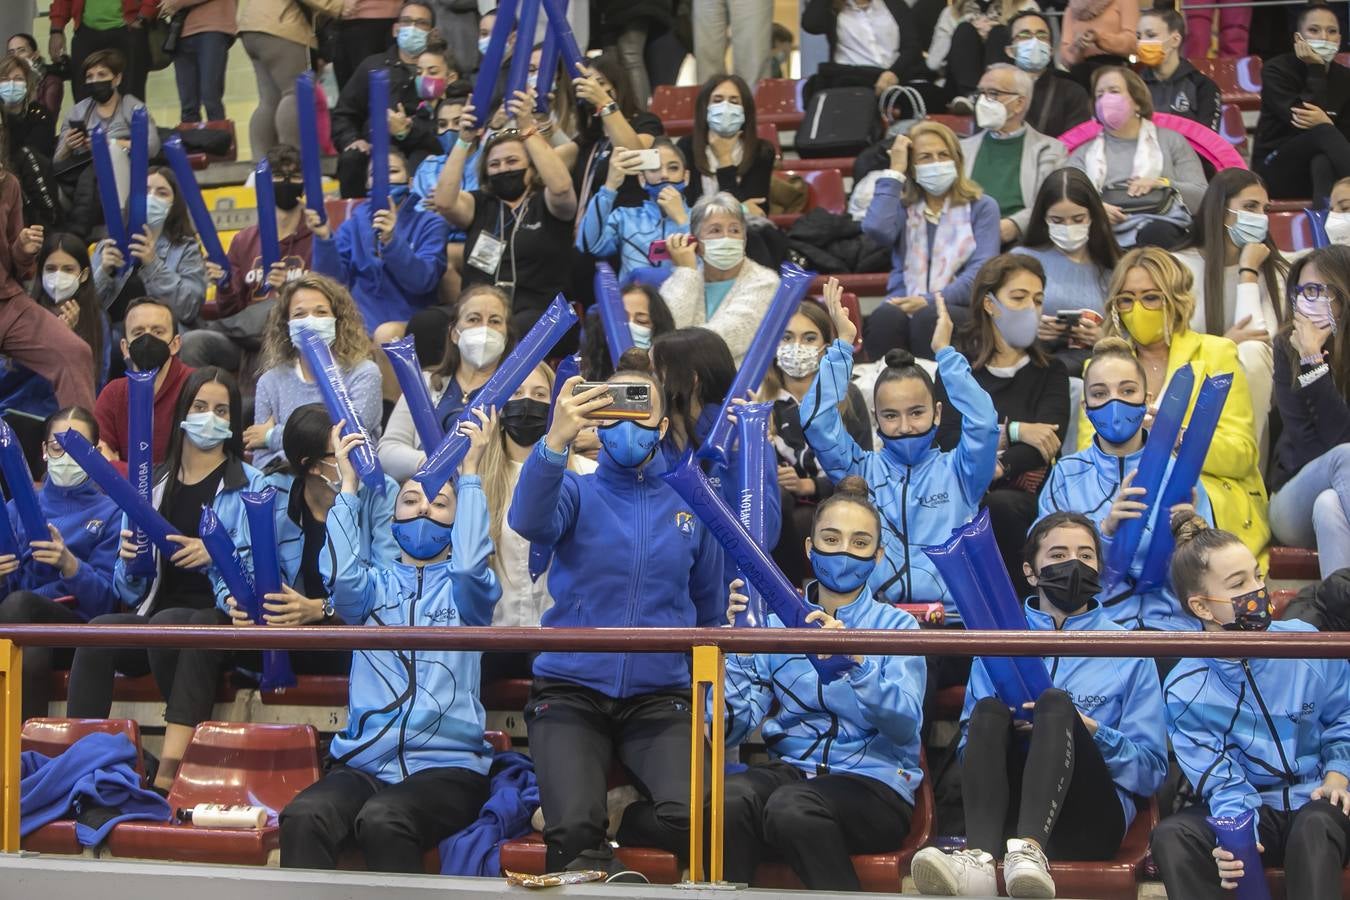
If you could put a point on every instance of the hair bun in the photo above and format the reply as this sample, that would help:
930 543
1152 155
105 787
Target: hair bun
854 487
635 359
1187 526
1112 344
899 359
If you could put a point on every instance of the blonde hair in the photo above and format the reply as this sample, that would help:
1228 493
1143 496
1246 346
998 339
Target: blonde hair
1173 280
963 190
350 347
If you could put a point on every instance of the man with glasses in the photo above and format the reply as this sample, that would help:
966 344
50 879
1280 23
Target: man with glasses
1057 102
1007 157
411 130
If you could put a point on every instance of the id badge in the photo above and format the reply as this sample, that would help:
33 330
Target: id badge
487 253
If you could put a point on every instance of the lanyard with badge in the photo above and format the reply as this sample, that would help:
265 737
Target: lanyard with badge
489 248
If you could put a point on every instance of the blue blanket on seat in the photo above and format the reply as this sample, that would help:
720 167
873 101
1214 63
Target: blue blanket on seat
513 796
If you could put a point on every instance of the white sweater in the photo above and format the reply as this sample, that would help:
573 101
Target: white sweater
739 315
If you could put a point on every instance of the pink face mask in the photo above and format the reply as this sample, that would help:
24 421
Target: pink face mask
1113 110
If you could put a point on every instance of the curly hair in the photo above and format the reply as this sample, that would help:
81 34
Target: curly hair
351 346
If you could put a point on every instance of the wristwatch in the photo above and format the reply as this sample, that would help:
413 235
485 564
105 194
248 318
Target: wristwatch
329 611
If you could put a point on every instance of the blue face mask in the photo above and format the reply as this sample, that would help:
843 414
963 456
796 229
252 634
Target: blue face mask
726 118
325 326
156 211
411 40
654 190
206 430
628 443
1117 421
447 139
908 449
398 192
422 537
13 91
841 572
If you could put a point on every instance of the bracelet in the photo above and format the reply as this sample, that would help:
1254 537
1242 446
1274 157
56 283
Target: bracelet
460 142
1308 378
1245 269
608 109
528 133
1314 359
1012 431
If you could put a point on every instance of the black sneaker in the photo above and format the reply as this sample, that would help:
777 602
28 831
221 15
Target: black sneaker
627 876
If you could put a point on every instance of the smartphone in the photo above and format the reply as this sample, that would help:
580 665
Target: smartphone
649 160
658 252
632 399
1068 316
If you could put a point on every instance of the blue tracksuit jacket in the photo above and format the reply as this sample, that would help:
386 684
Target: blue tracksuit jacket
624 231
91 524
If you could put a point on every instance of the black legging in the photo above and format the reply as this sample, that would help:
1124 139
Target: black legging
28 608
889 327
1055 788
971 54
93 669
790 551
1012 512
1307 165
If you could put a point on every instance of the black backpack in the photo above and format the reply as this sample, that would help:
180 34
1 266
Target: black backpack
840 121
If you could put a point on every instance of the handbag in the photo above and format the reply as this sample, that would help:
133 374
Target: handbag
161 40
1157 202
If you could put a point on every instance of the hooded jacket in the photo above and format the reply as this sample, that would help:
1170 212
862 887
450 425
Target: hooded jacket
410 710
627 552
625 231
402 277
1120 693
919 504
247 278
1259 732
176 277
1087 482
91 525
865 723
1187 93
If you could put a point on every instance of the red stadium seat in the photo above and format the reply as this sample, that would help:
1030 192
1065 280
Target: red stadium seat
138 689
51 737
1232 128
338 210
310 690
506 693
234 764
1114 879
850 302
1294 564
778 102
863 284
202 160
824 190
1279 206
1275 879
768 132
1238 79
878 873
1291 231
674 106
964 126
1280 601
948 703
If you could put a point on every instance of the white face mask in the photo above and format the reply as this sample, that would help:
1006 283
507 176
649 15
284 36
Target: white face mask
481 346
1069 238
1338 228
990 114
936 178
64 471
723 253
60 286
798 360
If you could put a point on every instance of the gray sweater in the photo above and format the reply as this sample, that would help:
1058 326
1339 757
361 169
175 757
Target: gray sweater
1181 166
281 391
1069 285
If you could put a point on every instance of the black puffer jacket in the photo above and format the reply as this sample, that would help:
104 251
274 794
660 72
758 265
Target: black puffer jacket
1324 605
832 244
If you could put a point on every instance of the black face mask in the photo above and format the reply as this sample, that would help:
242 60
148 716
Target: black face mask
508 186
1069 585
525 420
1251 611
101 91
287 194
148 352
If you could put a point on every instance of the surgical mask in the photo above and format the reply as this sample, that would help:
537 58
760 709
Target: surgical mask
508 186
1338 228
798 360
990 114
841 572
64 471
334 484
1250 228
1252 611
726 118
1069 585
1325 50
483 43
100 91
1018 326
206 430
1069 238
628 443
525 420
411 40
936 178
286 194
1150 53
1317 311
13 91
642 335
324 326
398 192
429 87
1116 420
1113 110
422 537
481 346
156 211
60 286
908 449
148 352
1031 54
1144 325
723 253
532 82
447 139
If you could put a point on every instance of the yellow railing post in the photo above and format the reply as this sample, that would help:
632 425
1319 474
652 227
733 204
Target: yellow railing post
707 752
11 724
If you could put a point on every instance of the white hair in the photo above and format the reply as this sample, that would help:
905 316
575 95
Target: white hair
1022 82
720 202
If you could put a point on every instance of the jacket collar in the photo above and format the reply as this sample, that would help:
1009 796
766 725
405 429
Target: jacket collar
1110 463
1089 619
850 611
85 489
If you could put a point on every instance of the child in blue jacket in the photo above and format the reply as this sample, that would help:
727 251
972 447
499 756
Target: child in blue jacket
628 232
410 769
74 560
819 801
1092 481
627 552
391 259
1097 740
921 492
1269 735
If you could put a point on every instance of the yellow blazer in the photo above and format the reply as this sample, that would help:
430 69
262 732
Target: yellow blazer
1231 475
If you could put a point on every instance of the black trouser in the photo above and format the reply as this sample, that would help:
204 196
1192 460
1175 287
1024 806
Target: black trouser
971 54
1055 789
393 824
889 327
1307 165
27 608
1082 72
357 39
1161 233
92 670
790 551
1311 843
574 734
1012 511
773 810
130 42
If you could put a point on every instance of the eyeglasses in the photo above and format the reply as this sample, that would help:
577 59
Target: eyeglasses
996 94
424 24
1025 34
1125 302
1313 291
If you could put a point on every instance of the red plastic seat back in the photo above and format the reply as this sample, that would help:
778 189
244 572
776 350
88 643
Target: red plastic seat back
51 737
500 741
769 132
671 102
338 210
1291 231
964 126
246 764
850 303
778 95
825 189
1232 128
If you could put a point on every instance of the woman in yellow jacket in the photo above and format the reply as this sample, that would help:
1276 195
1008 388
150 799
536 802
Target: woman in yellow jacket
1149 303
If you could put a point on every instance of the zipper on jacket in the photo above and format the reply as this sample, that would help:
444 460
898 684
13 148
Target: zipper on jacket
636 582
823 767
412 680
1274 735
904 524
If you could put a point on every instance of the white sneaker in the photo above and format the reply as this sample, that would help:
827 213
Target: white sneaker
1026 872
965 873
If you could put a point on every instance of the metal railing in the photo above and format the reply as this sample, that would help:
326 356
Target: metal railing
708 646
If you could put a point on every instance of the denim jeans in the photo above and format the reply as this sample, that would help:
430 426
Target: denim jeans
1312 509
199 68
